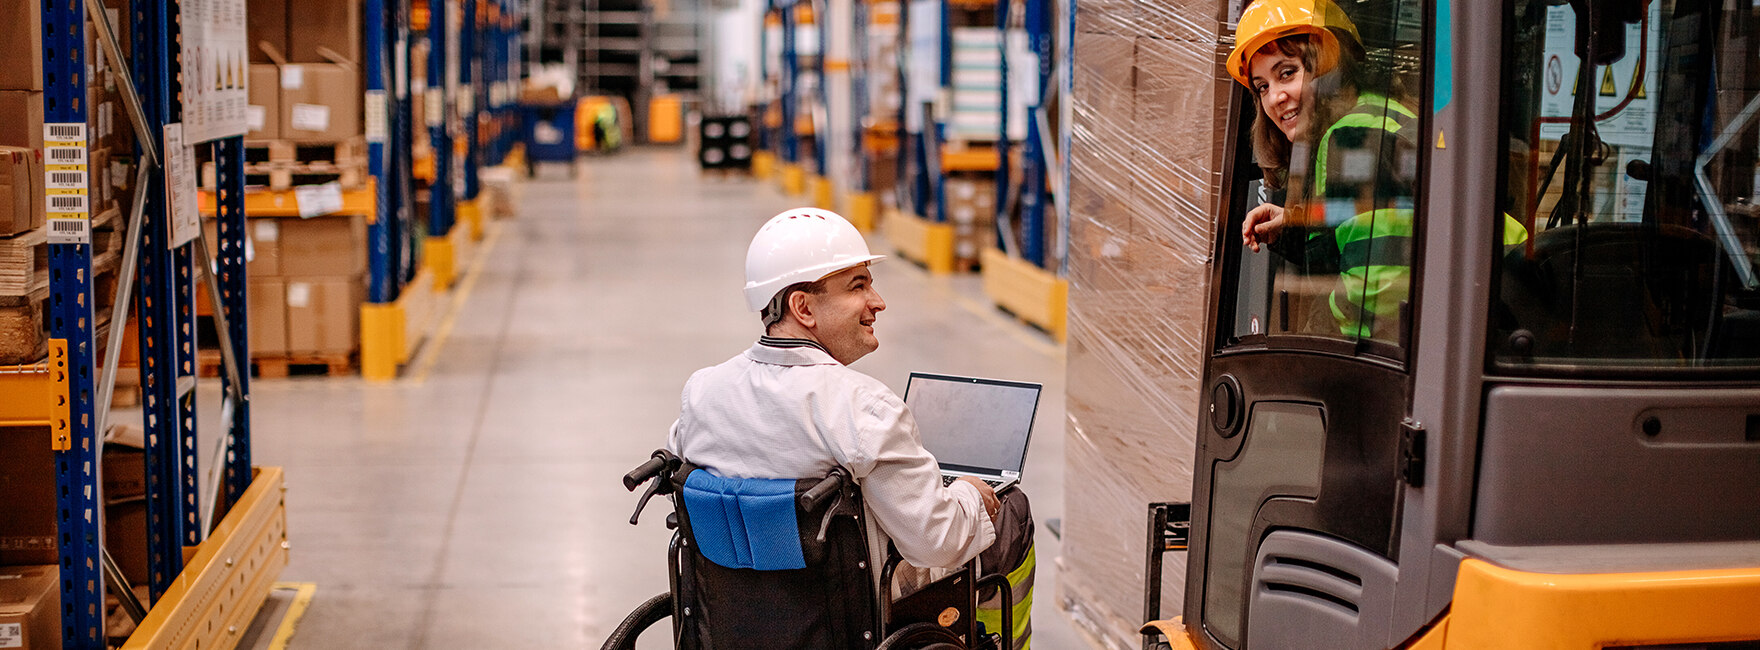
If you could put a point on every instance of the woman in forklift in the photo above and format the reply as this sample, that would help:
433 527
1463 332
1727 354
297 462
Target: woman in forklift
1336 139
1338 152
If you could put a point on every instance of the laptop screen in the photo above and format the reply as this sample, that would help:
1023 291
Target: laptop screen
973 425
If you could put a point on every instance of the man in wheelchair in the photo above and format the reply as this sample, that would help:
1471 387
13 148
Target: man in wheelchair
789 407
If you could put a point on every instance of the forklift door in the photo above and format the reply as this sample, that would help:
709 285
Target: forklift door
1298 481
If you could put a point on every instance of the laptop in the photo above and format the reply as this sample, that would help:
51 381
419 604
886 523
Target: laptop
974 427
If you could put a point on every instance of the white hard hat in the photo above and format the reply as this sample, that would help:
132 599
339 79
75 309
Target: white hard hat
800 245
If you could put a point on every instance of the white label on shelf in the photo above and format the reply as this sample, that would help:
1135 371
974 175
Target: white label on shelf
12 635
180 185
467 103
299 295
377 115
64 133
293 77
255 117
310 117
267 230
318 200
65 179
435 107
400 70
69 231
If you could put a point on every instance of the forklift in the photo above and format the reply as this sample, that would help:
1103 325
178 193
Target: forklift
1549 438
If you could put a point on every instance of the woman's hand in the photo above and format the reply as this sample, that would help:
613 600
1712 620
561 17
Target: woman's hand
1261 226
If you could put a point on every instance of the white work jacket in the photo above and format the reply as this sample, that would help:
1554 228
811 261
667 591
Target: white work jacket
788 410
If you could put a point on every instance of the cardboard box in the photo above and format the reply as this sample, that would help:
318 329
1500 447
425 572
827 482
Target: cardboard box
21 46
323 314
23 123
262 246
323 246
21 190
265 101
320 102
27 497
268 316
125 536
265 22
125 463
320 25
30 607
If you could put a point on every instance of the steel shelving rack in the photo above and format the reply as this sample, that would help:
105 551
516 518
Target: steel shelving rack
1024 275
69 394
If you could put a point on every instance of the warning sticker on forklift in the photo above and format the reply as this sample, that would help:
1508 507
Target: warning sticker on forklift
1625 104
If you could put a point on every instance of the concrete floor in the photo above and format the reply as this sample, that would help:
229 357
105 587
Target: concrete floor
476 502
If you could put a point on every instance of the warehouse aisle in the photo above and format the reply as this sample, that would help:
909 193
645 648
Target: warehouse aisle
476 503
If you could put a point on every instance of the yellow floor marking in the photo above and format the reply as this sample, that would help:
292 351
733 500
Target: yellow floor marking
431 351
295 611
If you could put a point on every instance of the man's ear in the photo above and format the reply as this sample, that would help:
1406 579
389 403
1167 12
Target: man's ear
801 305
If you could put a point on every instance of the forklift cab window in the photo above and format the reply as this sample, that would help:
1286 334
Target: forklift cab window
1635 171
1326 232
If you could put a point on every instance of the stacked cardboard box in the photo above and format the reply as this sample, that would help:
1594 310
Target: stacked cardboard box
23 247
305 83
1149 103
30 607
307 282
971 208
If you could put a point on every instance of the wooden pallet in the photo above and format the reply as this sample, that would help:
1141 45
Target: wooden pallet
281 164
284 151
277 367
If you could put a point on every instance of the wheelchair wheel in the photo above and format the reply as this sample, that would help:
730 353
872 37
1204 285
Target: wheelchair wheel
922 636
638 621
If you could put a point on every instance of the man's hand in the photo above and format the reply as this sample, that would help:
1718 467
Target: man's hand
1261 226
992 505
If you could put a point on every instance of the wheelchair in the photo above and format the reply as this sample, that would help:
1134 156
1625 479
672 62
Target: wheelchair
778 564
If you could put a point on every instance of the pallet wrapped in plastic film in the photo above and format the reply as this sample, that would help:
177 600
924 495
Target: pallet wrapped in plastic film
1150 102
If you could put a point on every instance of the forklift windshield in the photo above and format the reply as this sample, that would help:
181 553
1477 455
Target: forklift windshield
1635 172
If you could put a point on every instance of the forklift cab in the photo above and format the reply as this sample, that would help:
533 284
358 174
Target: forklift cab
1497 381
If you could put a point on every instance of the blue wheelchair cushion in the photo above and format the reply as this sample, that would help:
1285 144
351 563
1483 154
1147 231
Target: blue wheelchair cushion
746 523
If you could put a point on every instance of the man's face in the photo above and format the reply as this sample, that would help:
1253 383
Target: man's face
843 316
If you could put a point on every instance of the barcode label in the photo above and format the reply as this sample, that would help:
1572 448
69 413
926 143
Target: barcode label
65 156
66 180
65 203
65 133
70 231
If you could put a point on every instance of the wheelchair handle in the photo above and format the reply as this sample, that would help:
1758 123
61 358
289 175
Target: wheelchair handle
641 474
814 498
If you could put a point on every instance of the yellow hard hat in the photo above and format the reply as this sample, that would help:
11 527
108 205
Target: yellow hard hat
1265 21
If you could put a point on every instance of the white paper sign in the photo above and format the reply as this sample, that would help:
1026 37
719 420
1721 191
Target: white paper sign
1630 113
318 200
180 187
255 117
267 230
310 117
216 55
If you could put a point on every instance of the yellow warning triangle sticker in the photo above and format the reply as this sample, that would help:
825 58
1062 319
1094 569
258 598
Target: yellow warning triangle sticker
1440 143
1638 80
1607 87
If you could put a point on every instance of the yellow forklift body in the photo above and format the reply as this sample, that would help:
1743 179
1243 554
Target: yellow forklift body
1496 608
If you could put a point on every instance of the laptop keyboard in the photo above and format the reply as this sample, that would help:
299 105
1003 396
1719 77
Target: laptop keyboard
948 479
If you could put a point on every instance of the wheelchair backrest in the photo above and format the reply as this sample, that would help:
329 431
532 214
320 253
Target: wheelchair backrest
753 572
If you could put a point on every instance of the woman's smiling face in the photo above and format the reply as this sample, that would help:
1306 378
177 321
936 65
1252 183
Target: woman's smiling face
1279 82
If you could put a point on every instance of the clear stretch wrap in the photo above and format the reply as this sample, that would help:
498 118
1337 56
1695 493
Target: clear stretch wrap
1150 102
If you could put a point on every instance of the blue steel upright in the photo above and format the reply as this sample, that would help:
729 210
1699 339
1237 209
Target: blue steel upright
791 142
70 319
382 276
440 195
1033 172
167 315
404 235
469 94
858 91
229 258
933 153
822 132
